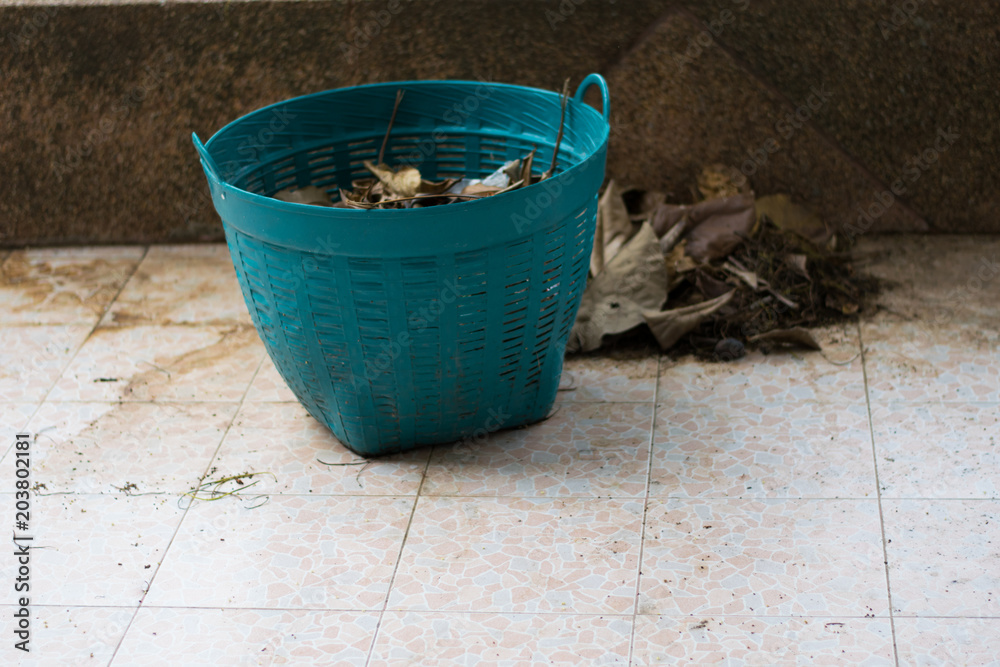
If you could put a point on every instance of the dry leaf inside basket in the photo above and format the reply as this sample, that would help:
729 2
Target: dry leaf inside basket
401 182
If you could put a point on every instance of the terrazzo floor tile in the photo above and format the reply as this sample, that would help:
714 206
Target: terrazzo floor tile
949 450
943 556
944 642
763 558
305 457
63 285
764 641
186 284
292 552
918 362
520 555
62 636
835 375
924 277
176 363
787 450
96 550
590 379
434 638
595 449
269 386
125 447
14 418
33 357
166 636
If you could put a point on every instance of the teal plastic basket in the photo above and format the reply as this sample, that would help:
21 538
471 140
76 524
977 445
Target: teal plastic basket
401 328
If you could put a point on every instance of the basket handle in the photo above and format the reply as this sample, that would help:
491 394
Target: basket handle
592 80
205 157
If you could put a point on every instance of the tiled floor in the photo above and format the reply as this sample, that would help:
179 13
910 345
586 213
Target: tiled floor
840 508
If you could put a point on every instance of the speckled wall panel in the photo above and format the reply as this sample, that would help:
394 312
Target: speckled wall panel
98 101
901 72
679 108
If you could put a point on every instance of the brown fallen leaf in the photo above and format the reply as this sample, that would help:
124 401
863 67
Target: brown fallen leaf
797 263
669 326
613 302
614 226
354 199
667 216
709 286
794 337
523 174
747 276
678 263
402 182
715 182
307 195
436 188
480 189
719 226
791 217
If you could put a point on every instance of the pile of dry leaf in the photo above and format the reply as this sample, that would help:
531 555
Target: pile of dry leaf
715 276
403 187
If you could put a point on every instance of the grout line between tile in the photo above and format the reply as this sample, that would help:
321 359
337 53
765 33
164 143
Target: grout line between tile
775 499
79 347
645 508
878 496
177 528
449 612
399 557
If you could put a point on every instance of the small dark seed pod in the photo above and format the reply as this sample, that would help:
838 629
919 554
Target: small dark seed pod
729 349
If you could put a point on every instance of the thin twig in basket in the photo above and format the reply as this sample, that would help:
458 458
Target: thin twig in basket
385 139
562 124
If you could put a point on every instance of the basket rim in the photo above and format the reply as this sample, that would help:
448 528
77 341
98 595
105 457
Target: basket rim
379 215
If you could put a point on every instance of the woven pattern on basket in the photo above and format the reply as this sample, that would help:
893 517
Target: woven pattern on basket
463 372
409 327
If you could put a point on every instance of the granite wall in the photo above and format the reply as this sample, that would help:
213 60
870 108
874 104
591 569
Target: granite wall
841 106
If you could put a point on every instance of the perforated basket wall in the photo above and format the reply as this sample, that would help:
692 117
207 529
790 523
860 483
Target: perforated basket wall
400 328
